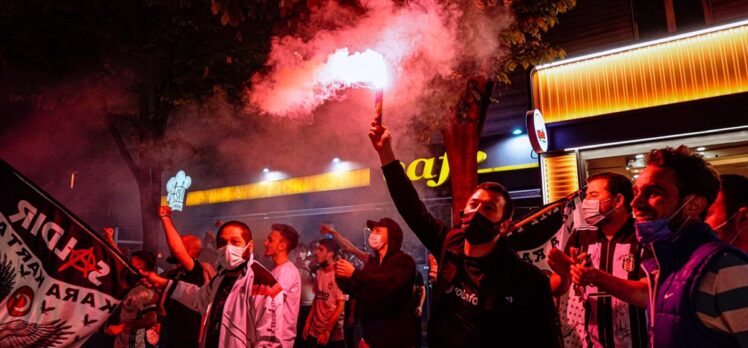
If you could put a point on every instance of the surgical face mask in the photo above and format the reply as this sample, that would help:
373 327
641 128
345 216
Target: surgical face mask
591 211
649 232
231 256
375 241
481 230
722 226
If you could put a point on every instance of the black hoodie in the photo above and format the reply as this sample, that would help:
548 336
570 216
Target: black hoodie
383 292
493 301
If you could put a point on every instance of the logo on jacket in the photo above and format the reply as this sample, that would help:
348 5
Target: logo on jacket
464 295
628 263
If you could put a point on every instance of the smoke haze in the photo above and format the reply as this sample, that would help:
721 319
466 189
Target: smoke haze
421 41
293 123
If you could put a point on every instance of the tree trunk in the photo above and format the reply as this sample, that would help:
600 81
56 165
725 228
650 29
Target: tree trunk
461 138
149 186
147 172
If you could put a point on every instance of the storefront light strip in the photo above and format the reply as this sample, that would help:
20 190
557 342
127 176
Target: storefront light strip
643 44
703 64
315 183
508 168
664 137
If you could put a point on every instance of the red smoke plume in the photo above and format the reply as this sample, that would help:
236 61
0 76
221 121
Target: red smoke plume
420 41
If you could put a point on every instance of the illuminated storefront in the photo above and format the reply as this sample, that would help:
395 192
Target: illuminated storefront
433 172
345 193
605 111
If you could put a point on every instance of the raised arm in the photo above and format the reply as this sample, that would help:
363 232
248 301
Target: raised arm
174 240
429 230
344 242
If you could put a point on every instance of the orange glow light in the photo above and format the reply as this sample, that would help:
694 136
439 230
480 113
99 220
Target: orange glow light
560 176
703 64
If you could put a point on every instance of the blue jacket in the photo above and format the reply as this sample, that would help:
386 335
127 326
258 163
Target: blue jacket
681 264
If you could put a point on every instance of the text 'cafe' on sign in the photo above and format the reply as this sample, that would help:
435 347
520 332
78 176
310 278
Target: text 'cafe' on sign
427 168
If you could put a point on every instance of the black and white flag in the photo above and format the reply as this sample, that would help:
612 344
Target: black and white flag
59 281
533 236
549 226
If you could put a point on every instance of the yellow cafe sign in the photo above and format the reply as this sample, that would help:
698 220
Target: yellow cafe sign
434 170
424 169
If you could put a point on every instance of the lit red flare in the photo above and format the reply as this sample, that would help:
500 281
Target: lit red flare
378 106
361 69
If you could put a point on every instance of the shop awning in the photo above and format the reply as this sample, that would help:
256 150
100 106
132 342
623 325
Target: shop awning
702 64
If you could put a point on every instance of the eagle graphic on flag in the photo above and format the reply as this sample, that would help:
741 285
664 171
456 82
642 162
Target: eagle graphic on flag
59 281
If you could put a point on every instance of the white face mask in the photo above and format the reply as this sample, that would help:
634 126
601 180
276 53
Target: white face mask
375 241
722 225
591 211
230 256
725 223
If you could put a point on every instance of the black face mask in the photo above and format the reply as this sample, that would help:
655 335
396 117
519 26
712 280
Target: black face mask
480 229
465 219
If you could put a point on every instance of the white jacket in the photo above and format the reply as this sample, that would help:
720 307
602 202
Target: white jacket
251 314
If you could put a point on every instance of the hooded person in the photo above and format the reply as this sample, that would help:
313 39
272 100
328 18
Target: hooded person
241 305
484 295
382 288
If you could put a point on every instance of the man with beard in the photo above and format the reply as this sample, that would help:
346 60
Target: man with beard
240 304
698 285
728 215
608 250
484 296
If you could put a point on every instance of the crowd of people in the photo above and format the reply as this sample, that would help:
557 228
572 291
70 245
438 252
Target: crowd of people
658 262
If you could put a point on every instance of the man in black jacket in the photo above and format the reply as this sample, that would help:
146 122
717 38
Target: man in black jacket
382 288
484 295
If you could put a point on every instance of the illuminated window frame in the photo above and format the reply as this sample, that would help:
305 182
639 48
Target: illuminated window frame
560 176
